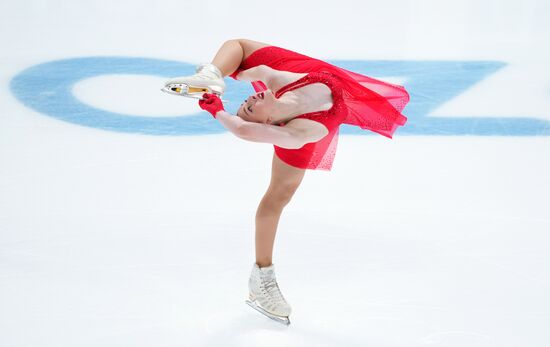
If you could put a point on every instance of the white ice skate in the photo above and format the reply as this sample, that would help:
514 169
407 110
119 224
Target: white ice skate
207 79
265 295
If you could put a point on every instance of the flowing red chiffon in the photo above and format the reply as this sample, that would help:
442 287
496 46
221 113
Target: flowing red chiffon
368 103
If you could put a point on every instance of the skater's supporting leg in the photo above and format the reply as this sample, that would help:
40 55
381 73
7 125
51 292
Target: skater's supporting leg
232 52
285 180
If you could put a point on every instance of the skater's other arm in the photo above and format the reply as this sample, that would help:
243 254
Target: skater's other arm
285 137
257 73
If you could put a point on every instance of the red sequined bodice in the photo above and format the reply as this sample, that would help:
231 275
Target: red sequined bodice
329 118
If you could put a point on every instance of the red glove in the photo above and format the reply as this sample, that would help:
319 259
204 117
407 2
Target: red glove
211 103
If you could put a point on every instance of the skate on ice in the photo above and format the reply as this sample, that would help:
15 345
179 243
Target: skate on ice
265 295
207 79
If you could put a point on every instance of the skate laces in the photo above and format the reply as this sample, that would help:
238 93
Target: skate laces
273 290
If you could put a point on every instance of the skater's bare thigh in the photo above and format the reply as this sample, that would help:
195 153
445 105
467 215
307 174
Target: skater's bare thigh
249 46
285 180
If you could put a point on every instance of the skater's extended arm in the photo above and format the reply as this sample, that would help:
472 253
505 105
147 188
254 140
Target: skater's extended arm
230 122
285 137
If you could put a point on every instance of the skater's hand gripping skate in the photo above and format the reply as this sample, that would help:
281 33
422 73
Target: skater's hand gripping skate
211 103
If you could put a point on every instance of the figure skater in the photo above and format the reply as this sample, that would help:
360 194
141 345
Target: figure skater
298 106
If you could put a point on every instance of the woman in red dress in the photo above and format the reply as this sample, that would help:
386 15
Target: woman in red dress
299 105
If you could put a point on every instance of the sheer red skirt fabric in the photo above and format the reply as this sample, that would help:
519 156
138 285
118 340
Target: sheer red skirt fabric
369 103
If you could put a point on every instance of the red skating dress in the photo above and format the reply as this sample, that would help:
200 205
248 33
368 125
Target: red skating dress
357 100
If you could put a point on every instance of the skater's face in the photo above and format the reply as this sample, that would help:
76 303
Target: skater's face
258 107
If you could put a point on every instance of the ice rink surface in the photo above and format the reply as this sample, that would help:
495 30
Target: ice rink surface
127 215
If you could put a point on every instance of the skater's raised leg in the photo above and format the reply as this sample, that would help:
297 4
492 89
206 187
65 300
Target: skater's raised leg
209 76
231 54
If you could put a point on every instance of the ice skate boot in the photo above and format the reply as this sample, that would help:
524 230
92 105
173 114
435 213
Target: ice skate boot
265 295
207 79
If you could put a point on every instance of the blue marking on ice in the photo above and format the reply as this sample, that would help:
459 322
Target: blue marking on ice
47 88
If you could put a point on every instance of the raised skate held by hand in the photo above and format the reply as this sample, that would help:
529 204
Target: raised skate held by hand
211 103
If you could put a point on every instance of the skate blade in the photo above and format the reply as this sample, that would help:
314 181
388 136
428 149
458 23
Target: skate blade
279 319
191 92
